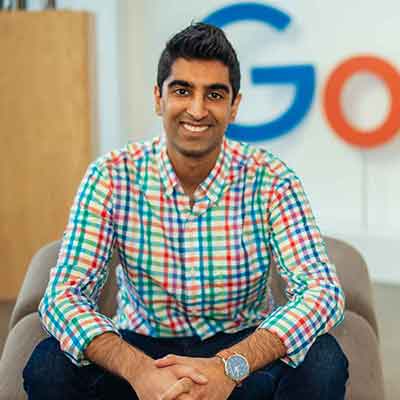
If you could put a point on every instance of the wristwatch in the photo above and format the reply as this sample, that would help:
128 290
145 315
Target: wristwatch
236 367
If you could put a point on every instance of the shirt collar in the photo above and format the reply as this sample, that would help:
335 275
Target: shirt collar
211 187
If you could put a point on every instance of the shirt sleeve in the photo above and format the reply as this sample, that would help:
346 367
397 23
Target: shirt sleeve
69 310
315 297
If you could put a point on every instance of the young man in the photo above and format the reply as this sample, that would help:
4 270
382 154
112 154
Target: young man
197 220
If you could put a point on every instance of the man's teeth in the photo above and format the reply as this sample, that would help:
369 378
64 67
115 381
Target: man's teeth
196 128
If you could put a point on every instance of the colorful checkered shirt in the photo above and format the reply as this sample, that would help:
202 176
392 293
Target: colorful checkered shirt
191 271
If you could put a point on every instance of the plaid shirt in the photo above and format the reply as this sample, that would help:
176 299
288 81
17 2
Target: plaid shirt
191 271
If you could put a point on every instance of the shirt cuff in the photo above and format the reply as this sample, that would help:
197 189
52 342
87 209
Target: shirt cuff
296 340
79 334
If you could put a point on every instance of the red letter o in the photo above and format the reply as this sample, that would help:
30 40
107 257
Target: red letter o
333 109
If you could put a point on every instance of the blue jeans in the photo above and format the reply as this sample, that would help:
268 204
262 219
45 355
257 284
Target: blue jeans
49 374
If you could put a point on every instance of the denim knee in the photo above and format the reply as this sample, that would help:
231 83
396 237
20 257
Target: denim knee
38 370
326 368
327 358
49 374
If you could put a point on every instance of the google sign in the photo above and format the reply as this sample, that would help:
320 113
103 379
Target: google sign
303 77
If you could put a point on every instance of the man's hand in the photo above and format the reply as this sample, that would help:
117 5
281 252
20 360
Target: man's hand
152 383
149 382
219 386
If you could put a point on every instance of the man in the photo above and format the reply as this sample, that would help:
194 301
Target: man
197 220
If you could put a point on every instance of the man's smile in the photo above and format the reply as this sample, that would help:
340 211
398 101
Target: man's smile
195 128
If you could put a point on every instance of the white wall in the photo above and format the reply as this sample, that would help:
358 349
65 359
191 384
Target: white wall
354 192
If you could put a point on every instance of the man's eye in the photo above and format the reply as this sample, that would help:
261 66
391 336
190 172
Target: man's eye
181 92
215 96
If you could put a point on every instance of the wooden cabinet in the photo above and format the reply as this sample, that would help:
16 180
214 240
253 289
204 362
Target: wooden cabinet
45 130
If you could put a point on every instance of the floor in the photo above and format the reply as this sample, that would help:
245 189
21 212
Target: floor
387 299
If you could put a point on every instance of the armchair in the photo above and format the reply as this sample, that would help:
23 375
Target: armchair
358 334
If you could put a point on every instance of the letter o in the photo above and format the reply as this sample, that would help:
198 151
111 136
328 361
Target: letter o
333 108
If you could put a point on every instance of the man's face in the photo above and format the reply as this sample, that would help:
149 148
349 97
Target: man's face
196 107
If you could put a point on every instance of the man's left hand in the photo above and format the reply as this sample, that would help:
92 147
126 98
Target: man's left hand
219 386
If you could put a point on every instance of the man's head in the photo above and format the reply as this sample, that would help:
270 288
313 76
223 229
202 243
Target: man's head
197 91
202 42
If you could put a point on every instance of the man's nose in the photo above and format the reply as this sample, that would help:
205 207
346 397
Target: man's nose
197 108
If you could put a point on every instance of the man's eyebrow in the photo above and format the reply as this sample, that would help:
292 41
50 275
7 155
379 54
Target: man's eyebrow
219 86
179 82
213 86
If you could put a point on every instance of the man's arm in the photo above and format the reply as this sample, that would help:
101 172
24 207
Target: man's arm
114 354
260 348
68 310
315 298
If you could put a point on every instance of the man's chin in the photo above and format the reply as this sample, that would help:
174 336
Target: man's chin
194 153
195 149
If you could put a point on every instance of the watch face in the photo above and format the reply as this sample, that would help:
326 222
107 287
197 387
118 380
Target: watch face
237 367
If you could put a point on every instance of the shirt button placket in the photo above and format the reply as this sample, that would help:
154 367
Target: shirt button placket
192 236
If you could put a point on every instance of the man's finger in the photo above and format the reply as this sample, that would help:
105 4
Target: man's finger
164 362
184 385
169 359
182 371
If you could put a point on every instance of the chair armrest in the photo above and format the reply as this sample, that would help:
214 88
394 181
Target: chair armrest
354 278
21 341
360 344
35 282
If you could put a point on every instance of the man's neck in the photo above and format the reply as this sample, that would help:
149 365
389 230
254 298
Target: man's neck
191 171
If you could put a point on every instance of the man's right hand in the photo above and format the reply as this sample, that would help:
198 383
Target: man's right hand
152 383
149 382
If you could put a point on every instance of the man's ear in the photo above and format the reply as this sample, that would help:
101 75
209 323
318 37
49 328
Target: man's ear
157 99
235 107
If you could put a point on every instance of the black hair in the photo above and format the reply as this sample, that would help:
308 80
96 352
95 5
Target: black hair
200 41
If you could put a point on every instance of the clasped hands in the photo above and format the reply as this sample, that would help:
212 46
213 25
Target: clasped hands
183 378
